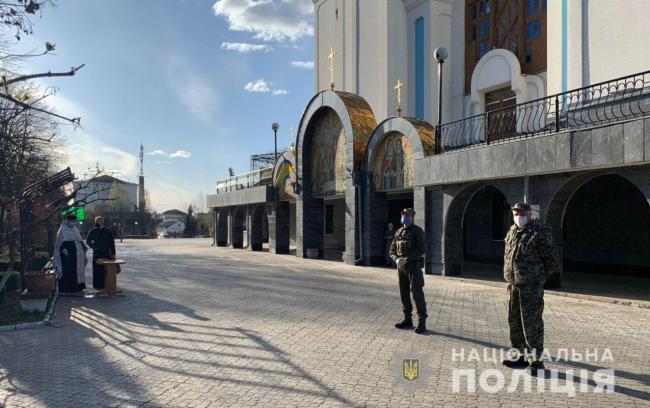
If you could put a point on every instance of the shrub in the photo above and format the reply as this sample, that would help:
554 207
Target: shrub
13 284
38 261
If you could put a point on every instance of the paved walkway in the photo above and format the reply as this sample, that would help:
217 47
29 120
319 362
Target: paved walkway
201 326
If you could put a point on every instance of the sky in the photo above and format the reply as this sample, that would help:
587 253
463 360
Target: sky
198 82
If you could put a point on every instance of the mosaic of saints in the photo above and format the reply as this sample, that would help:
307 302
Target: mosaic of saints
393 165
328 156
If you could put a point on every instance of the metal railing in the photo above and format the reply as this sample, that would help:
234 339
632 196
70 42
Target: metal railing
599 104
251 179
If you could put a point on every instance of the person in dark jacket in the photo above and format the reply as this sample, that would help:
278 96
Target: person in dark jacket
101 240
406 251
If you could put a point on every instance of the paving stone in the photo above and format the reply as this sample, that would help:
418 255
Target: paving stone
217 327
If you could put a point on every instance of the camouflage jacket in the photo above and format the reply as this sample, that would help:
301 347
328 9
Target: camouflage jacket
408 243
530 254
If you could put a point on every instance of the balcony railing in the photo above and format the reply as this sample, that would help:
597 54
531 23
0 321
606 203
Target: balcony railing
255 178
599 104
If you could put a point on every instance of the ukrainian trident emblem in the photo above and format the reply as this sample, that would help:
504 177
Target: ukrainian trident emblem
410 369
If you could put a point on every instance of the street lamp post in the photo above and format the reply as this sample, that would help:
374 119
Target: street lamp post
275 128
440 54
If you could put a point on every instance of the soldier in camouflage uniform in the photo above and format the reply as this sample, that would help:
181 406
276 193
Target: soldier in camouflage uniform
407 251
530 257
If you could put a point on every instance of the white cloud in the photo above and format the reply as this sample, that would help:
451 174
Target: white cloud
259 85
245 47
303 64
181 154
262 86
269 20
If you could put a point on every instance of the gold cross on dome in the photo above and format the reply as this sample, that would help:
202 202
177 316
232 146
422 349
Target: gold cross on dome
398 87
331 57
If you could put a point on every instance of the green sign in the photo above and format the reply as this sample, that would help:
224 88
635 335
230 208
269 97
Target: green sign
80 212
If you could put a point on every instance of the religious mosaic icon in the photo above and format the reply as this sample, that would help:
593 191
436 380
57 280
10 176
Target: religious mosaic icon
392 165
328 156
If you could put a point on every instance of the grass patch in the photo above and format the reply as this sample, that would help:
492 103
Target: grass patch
11 313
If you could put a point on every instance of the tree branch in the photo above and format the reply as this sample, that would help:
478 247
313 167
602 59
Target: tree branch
48 74
74 121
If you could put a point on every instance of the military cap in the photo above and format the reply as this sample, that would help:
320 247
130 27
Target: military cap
408 211
521 206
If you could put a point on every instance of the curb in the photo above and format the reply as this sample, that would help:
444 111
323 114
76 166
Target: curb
31 325
593 298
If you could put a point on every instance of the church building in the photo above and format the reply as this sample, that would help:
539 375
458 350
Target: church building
542 101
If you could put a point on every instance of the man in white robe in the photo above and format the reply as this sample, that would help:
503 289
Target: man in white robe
70 257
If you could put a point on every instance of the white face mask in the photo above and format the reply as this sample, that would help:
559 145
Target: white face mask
521 220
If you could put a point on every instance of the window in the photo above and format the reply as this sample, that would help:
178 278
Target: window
419 68
515 25
502 117
329 219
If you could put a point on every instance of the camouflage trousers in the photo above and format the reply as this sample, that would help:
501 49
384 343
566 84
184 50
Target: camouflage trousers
411 279
526 306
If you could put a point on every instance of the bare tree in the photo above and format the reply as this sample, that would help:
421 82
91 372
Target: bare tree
199 203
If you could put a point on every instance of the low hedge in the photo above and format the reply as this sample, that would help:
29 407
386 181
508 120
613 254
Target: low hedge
12 285
4 263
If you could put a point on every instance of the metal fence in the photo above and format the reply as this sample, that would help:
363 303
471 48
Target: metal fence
247 180
599 104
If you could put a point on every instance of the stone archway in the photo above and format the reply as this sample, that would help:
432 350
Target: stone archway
238 227
597 219
221 228
259 233
454 237
390 179
282 219
332 138
485 224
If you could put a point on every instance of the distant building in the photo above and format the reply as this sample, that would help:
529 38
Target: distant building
170 228
173 215
98 191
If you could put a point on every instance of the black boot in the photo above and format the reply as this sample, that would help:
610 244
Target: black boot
407 323
422 327
519 363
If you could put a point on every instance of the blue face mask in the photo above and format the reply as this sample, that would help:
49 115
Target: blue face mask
406 220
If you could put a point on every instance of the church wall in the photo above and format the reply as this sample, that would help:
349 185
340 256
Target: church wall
396 59
372 54
413 13
603 39
327 34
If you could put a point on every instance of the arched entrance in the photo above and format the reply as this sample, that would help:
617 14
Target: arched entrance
259 229
333 134
474 225
238 228
221 229
389 165
282 221
488 217
606 229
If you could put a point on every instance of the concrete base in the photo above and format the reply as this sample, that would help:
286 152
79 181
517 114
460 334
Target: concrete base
34 302
312 253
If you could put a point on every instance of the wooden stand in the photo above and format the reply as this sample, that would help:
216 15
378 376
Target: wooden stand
110 276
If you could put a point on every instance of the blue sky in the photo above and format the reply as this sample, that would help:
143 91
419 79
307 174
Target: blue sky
199 82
